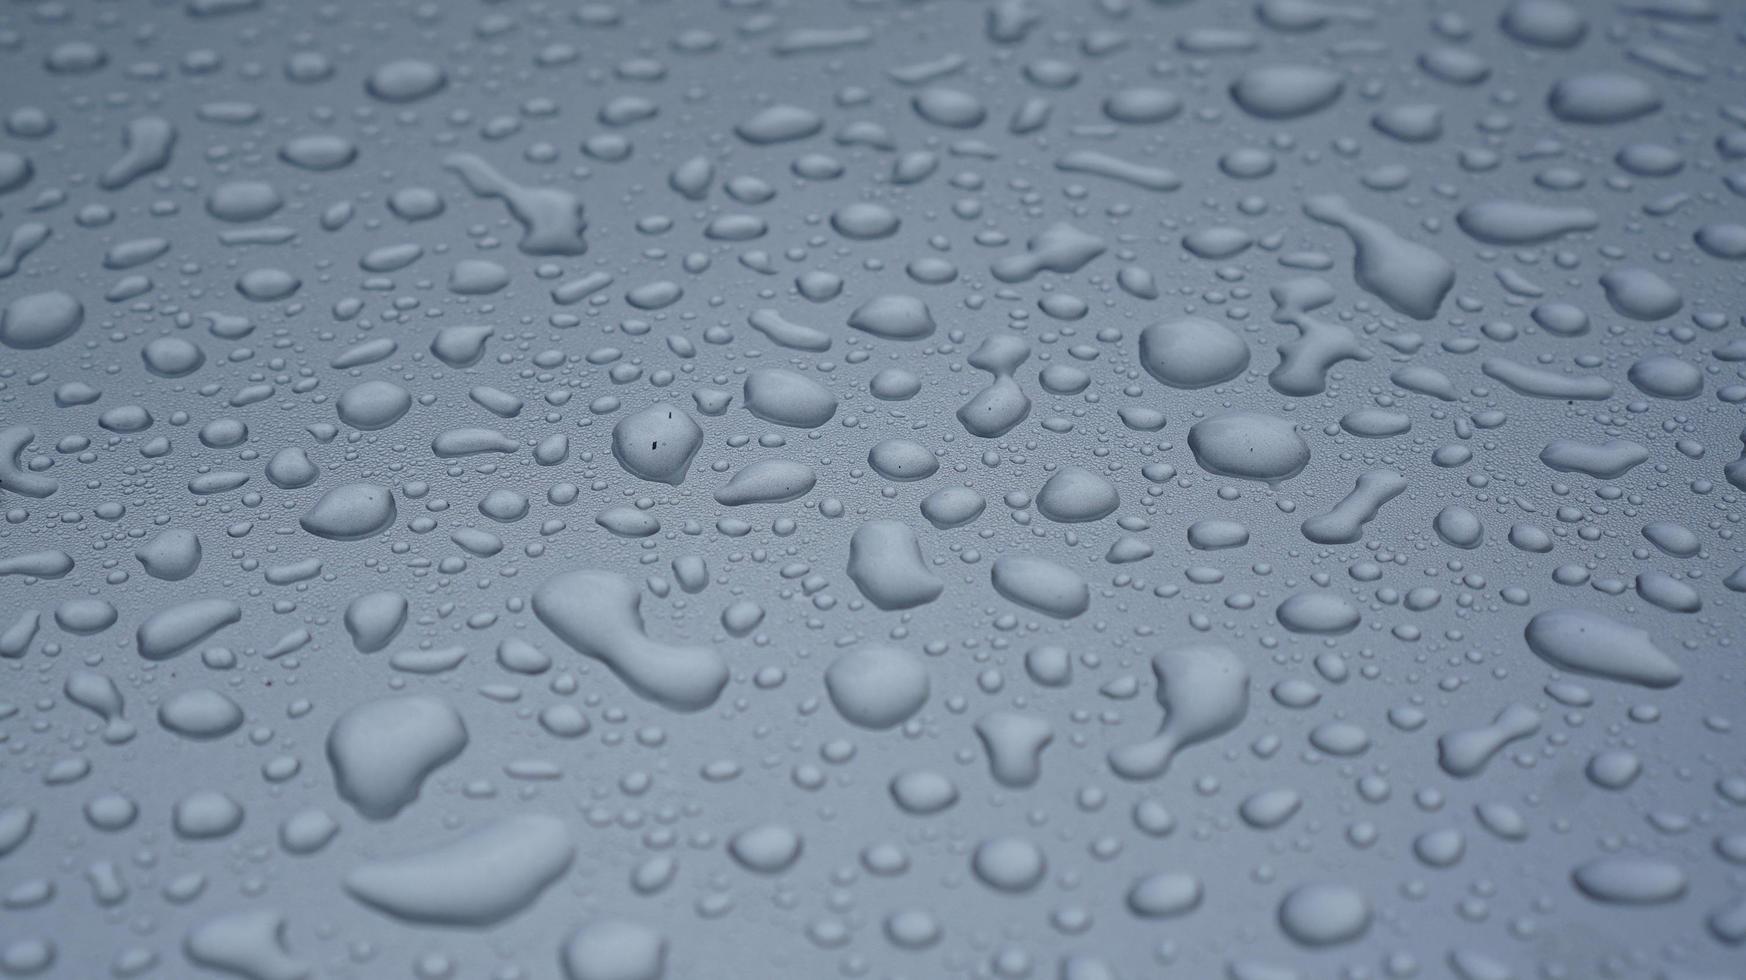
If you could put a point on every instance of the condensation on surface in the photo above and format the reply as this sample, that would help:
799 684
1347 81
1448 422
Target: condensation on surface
999 489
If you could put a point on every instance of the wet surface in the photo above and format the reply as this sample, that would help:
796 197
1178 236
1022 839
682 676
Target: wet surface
1070 490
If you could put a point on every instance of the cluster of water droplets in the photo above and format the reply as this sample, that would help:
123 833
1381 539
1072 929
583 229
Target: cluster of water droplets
1091 490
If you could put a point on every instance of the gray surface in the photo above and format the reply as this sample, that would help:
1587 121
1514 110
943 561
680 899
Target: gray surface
666 834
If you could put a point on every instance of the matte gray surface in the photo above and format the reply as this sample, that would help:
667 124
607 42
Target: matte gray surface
784 489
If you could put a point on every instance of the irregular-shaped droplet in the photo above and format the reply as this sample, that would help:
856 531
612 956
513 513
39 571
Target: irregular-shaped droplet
1009 864
1605 460
893 316
1504 222
767 481
1192 352
1376 423
996 409
206 814
170 631
599 614
552 219
787 333
1165 895
374 619
292 469
614 949
1060 248
372 405
1075 495
1324 914
657 443
1536 382
319 152
886 564
953 507
923 792
788 398
1249 446
1304 362
39 320
877 687
147 143
1425 380
200 713
1097 163
768 849
1630 880
1464 752
1666 376
1544 24
248 944
1459 526
405 80
864 221
382 751
1319 613
1204 691
1673 538
467 441
40 564
902 460
1277 91
351 512
628 522
1602 97
461 346
1409 277
14 476
1586 642
1671 594
1014 743
1640 294
1039 584
779 124
1217 534
1344 524
480 879
1722 240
